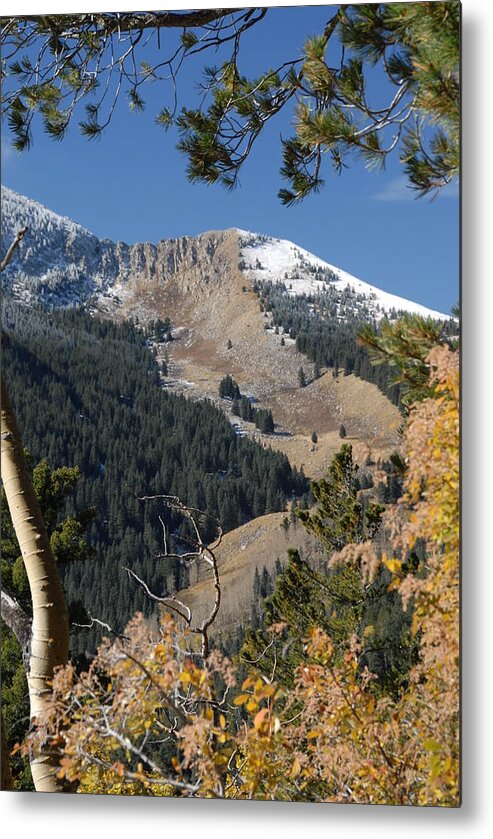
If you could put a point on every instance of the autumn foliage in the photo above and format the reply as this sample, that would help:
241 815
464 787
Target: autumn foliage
151 717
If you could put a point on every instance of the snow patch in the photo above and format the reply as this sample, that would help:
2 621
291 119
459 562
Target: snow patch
279 260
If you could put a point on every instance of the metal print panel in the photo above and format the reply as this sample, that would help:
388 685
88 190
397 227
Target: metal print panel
230 387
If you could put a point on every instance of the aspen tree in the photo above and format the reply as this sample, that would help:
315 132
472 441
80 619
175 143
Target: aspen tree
48 644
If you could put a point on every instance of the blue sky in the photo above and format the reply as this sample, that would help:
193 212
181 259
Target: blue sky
131 185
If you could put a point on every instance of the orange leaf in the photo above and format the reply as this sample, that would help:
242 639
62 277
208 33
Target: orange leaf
259 718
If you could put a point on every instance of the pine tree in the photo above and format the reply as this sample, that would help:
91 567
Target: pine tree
228 388
339 601
406 345
340 518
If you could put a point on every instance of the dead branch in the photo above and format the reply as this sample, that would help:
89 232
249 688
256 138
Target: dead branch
18 622
200 551
97 622
18 239
169 600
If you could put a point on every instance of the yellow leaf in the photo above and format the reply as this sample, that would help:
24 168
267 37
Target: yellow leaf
296 768
394 565
432 746
259 718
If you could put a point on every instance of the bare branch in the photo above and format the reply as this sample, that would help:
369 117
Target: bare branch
18 622
18 239
96 621
128 744
201 551
169 600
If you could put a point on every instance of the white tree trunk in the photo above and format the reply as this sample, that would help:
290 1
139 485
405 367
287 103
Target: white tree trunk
50 628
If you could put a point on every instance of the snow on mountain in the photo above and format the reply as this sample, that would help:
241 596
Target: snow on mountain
269 259
60 263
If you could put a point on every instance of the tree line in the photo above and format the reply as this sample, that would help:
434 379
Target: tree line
327 328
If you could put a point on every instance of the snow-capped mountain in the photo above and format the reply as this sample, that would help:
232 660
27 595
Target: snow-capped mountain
60 263
56 252
278 260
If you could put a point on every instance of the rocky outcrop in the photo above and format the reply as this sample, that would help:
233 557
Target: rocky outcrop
61 263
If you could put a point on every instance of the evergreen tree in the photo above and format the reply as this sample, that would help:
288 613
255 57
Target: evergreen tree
264 420
228 388
406 345
338 601
340 518
415 45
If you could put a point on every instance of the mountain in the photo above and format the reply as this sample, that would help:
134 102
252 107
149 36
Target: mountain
241 304
61 263
306 274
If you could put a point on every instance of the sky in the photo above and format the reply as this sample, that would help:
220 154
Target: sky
131 185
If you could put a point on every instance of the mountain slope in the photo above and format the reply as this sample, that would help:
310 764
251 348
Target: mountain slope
280 260
205 285
254 546
62 263
59 261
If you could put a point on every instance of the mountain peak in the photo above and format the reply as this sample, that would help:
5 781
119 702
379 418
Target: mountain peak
62 263
279 260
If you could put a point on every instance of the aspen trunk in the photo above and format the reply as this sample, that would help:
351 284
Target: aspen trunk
50 628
